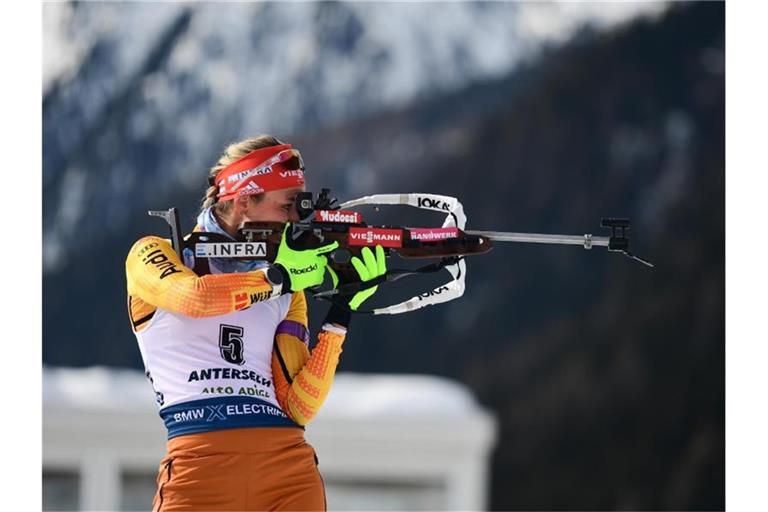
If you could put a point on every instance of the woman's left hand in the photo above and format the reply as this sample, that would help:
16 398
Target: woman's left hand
368 268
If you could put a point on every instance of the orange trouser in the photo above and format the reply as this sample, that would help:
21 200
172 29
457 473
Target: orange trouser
265 468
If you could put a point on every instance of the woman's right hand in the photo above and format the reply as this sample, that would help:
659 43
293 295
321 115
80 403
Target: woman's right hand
303 268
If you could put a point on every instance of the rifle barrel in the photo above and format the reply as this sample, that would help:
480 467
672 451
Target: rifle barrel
587 240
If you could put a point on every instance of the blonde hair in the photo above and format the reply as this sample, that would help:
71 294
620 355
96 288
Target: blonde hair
233 152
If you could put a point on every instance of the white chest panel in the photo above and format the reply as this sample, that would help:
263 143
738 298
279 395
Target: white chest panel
199 358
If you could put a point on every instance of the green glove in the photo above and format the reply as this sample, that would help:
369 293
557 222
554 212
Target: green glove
303 268
368 268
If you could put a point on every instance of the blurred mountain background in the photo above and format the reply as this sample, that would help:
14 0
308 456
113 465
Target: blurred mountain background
607 377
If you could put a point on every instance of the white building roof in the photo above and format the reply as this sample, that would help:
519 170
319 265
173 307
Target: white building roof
363 396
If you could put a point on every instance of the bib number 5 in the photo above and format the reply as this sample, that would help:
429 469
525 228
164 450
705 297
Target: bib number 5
231 343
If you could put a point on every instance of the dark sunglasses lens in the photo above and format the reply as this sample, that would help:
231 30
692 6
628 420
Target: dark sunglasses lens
293 163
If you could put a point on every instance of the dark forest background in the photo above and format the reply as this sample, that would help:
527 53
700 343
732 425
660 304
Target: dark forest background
607 377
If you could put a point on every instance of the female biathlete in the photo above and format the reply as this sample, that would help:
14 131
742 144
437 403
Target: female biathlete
225 345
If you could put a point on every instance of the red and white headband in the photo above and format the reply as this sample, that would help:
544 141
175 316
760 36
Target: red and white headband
262 170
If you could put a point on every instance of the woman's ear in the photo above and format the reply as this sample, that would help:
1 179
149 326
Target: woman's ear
241 204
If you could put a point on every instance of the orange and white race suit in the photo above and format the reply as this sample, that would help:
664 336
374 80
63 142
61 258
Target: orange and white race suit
228 358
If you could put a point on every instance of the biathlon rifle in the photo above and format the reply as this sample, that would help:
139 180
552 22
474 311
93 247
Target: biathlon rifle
323 221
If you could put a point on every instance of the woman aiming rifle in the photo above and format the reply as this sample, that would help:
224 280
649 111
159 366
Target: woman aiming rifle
226 345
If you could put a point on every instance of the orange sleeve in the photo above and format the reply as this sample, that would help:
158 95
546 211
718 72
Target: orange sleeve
157 276
303 380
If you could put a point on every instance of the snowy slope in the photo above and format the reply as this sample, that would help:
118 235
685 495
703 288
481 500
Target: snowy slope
140 97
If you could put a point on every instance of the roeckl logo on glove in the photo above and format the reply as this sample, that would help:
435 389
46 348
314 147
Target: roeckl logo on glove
298 271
